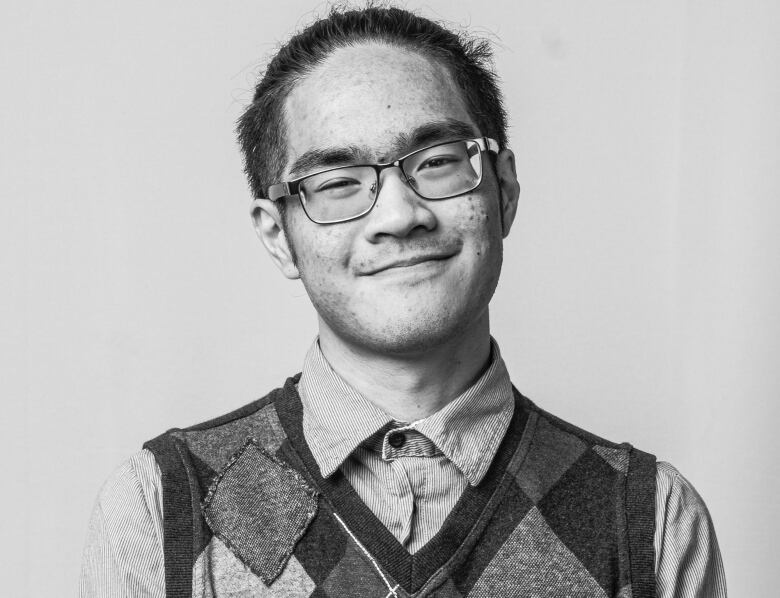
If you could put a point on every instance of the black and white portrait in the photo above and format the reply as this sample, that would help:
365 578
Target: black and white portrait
395 299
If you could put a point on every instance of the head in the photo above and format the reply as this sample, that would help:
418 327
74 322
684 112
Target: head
262 129
373 85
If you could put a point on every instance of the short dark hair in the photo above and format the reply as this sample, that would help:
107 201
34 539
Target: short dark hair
469 60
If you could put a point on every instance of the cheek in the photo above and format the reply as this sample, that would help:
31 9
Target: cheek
480 223
316 246
320 259
322 256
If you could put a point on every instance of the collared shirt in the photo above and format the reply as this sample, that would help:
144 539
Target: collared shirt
410 474
123 555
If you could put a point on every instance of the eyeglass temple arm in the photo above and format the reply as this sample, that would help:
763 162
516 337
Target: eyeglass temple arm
279 191
489 144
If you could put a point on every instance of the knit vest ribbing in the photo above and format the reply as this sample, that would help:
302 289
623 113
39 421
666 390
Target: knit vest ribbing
561 512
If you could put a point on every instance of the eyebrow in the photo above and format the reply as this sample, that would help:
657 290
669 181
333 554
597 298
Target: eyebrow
317 158
428 134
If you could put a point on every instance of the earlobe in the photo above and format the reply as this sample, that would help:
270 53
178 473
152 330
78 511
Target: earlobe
270 228
509 188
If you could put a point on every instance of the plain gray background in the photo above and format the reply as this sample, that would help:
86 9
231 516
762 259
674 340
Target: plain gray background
640 290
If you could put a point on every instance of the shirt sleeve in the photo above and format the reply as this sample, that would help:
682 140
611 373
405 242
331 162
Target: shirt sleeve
123 555
687 557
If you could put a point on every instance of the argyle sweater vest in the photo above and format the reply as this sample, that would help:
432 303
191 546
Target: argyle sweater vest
560 513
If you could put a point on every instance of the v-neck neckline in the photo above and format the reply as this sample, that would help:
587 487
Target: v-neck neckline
472 510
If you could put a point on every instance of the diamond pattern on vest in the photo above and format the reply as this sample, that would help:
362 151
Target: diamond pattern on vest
583 510
559 528
322 546
552 453
534 562
514 507
260 508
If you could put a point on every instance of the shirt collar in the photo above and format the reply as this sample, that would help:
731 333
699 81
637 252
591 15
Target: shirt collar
468 430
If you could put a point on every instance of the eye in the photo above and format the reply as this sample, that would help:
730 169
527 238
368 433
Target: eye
334 187
438 161
333 184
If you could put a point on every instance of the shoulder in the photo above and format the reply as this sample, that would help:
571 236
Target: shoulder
673 487
561 455
680 507
135 481
208 446
558 434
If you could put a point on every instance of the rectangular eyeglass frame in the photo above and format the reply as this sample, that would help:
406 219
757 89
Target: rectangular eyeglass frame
279 191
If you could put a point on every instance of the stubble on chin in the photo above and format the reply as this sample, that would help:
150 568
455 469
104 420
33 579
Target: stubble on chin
414 330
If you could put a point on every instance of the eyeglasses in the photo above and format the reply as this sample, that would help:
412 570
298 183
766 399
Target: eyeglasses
345 193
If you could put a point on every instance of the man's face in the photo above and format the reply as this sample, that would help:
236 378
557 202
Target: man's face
413 273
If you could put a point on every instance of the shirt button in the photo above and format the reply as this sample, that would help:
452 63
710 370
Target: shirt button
396 439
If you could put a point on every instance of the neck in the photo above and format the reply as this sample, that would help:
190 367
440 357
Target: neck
411 386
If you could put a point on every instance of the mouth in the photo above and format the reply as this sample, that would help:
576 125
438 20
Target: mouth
408 263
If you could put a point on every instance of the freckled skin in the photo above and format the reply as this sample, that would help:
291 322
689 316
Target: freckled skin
344 102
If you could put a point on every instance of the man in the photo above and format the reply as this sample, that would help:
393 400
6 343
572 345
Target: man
401 461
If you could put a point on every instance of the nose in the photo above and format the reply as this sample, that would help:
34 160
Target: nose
399 211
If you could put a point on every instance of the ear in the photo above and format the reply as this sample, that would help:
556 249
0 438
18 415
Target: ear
509 188
270 228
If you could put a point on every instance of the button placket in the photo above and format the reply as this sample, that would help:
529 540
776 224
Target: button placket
404 503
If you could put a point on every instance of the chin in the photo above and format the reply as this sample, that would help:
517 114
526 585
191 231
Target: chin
411 332
409 320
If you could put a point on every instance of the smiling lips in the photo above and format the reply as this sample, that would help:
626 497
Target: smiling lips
407 262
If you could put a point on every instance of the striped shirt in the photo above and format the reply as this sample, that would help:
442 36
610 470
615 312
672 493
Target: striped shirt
409 474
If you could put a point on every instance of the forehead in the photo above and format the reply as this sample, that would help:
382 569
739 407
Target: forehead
368 96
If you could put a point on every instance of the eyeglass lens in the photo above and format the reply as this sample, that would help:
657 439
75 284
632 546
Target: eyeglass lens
436 172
